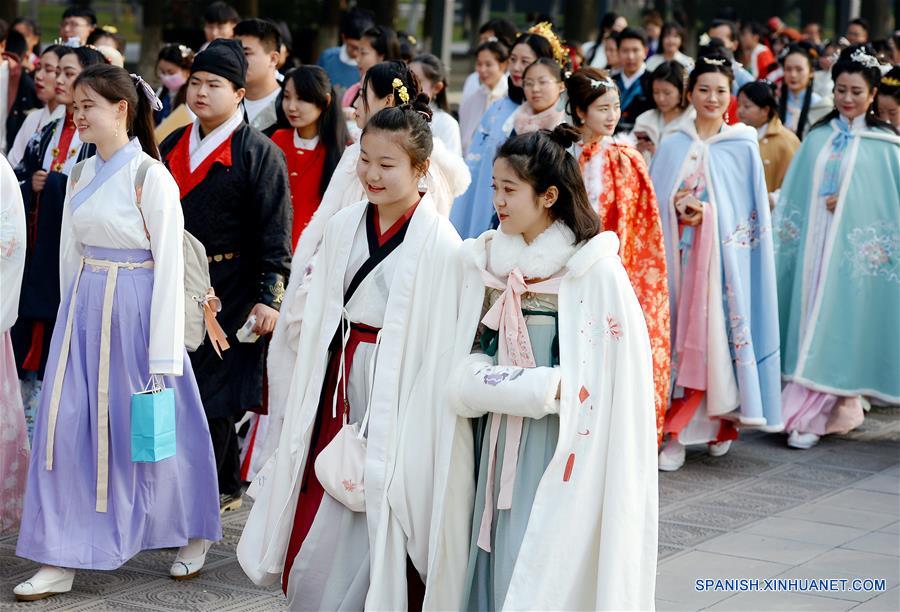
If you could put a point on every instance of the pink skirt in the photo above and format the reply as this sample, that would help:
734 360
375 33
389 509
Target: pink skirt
13 440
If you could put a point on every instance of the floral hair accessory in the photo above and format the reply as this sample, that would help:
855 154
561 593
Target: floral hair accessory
704 39
713 62
607 82
545 29
402 92
184 50
110 29
890 82
861 57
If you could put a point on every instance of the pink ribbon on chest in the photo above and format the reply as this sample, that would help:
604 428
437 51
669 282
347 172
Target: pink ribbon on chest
513 348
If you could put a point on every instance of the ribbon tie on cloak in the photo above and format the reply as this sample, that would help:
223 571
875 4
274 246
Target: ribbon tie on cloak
832 175
514 348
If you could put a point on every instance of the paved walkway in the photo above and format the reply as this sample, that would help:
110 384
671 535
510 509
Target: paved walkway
762 511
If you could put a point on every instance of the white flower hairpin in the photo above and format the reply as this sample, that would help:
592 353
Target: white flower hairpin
713 62
861 57
704 39
607 82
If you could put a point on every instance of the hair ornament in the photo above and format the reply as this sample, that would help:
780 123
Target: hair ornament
184 50
545 29
72 42
412 39
704 39
492 39
607 82
401 90
861 57
890 82
152 98
713 62
110 29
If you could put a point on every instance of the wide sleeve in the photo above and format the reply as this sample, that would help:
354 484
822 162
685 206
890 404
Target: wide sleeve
478 387
274 216
69 247
12 245
165 224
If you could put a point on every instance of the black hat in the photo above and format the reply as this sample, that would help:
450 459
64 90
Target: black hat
225 58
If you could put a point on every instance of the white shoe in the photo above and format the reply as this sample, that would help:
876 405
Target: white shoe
190 559
802 440
672 456
719 449
49 580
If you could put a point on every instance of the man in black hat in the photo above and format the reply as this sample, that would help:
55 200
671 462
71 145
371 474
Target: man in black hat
236 201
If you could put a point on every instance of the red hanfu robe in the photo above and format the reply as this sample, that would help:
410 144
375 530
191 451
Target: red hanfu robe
305 168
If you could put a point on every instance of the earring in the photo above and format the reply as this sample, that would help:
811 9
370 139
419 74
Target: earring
117 129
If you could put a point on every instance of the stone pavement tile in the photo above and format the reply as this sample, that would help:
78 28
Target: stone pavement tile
671 492
679 535
881 482
159 561
672 606
881 543
803 531
676 578
834 515
886 602
822 474
894 528
753 546
741 463
845 458
707 515
870 501
758 504
168 594
892 471
695 473
785 487
665 551
230 573
861 564
775 602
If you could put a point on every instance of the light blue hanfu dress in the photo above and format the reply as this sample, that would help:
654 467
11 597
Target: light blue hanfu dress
489 574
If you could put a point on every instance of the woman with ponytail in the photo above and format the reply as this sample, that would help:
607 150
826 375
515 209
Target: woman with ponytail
836 235
561 394
620 191
799 106
120 331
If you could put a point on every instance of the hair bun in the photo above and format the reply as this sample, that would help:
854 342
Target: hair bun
565 135
422 105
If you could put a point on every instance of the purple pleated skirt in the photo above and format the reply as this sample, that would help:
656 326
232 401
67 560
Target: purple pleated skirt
150 505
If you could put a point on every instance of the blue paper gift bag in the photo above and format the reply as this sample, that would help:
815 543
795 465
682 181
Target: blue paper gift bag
153 425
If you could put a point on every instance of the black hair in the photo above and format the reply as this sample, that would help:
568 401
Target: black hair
582 93
707 64
313 85
412 118
809 53
548 63
715 48
718 23
4 30
606 23
541 48
871 74
755 28
32 25
114 84
674 73
80 11
181 56
54 49
495 47
262 29
436 73
672 27
409 46
542 160
87 56
380 78
890 84
384 41
861 22
102 32
631 34
16 44
504 31
221 12
761 94
356 21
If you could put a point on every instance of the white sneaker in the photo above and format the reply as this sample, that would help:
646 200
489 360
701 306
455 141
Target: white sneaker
49 580
802 440
190 559
672 456
719 449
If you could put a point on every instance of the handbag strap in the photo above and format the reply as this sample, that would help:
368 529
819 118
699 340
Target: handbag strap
139 188
342 375
371 387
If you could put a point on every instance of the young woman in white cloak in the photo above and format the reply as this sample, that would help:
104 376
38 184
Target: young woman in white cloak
447 177
368 353
566 502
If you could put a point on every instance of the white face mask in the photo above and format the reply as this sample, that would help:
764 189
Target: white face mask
173 82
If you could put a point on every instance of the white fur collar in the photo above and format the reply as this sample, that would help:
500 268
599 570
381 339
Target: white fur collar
545 256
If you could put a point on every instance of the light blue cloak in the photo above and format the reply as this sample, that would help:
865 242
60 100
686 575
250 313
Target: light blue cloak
472 211
737 187
851 343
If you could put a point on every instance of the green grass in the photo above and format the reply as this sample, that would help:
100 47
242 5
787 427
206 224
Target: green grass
49 18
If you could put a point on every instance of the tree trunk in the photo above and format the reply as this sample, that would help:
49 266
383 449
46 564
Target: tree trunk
247 8
151 38
329 28
9 9
580 17
878 14
813 11
385 11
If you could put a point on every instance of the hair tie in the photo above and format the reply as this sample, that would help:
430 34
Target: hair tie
152 98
